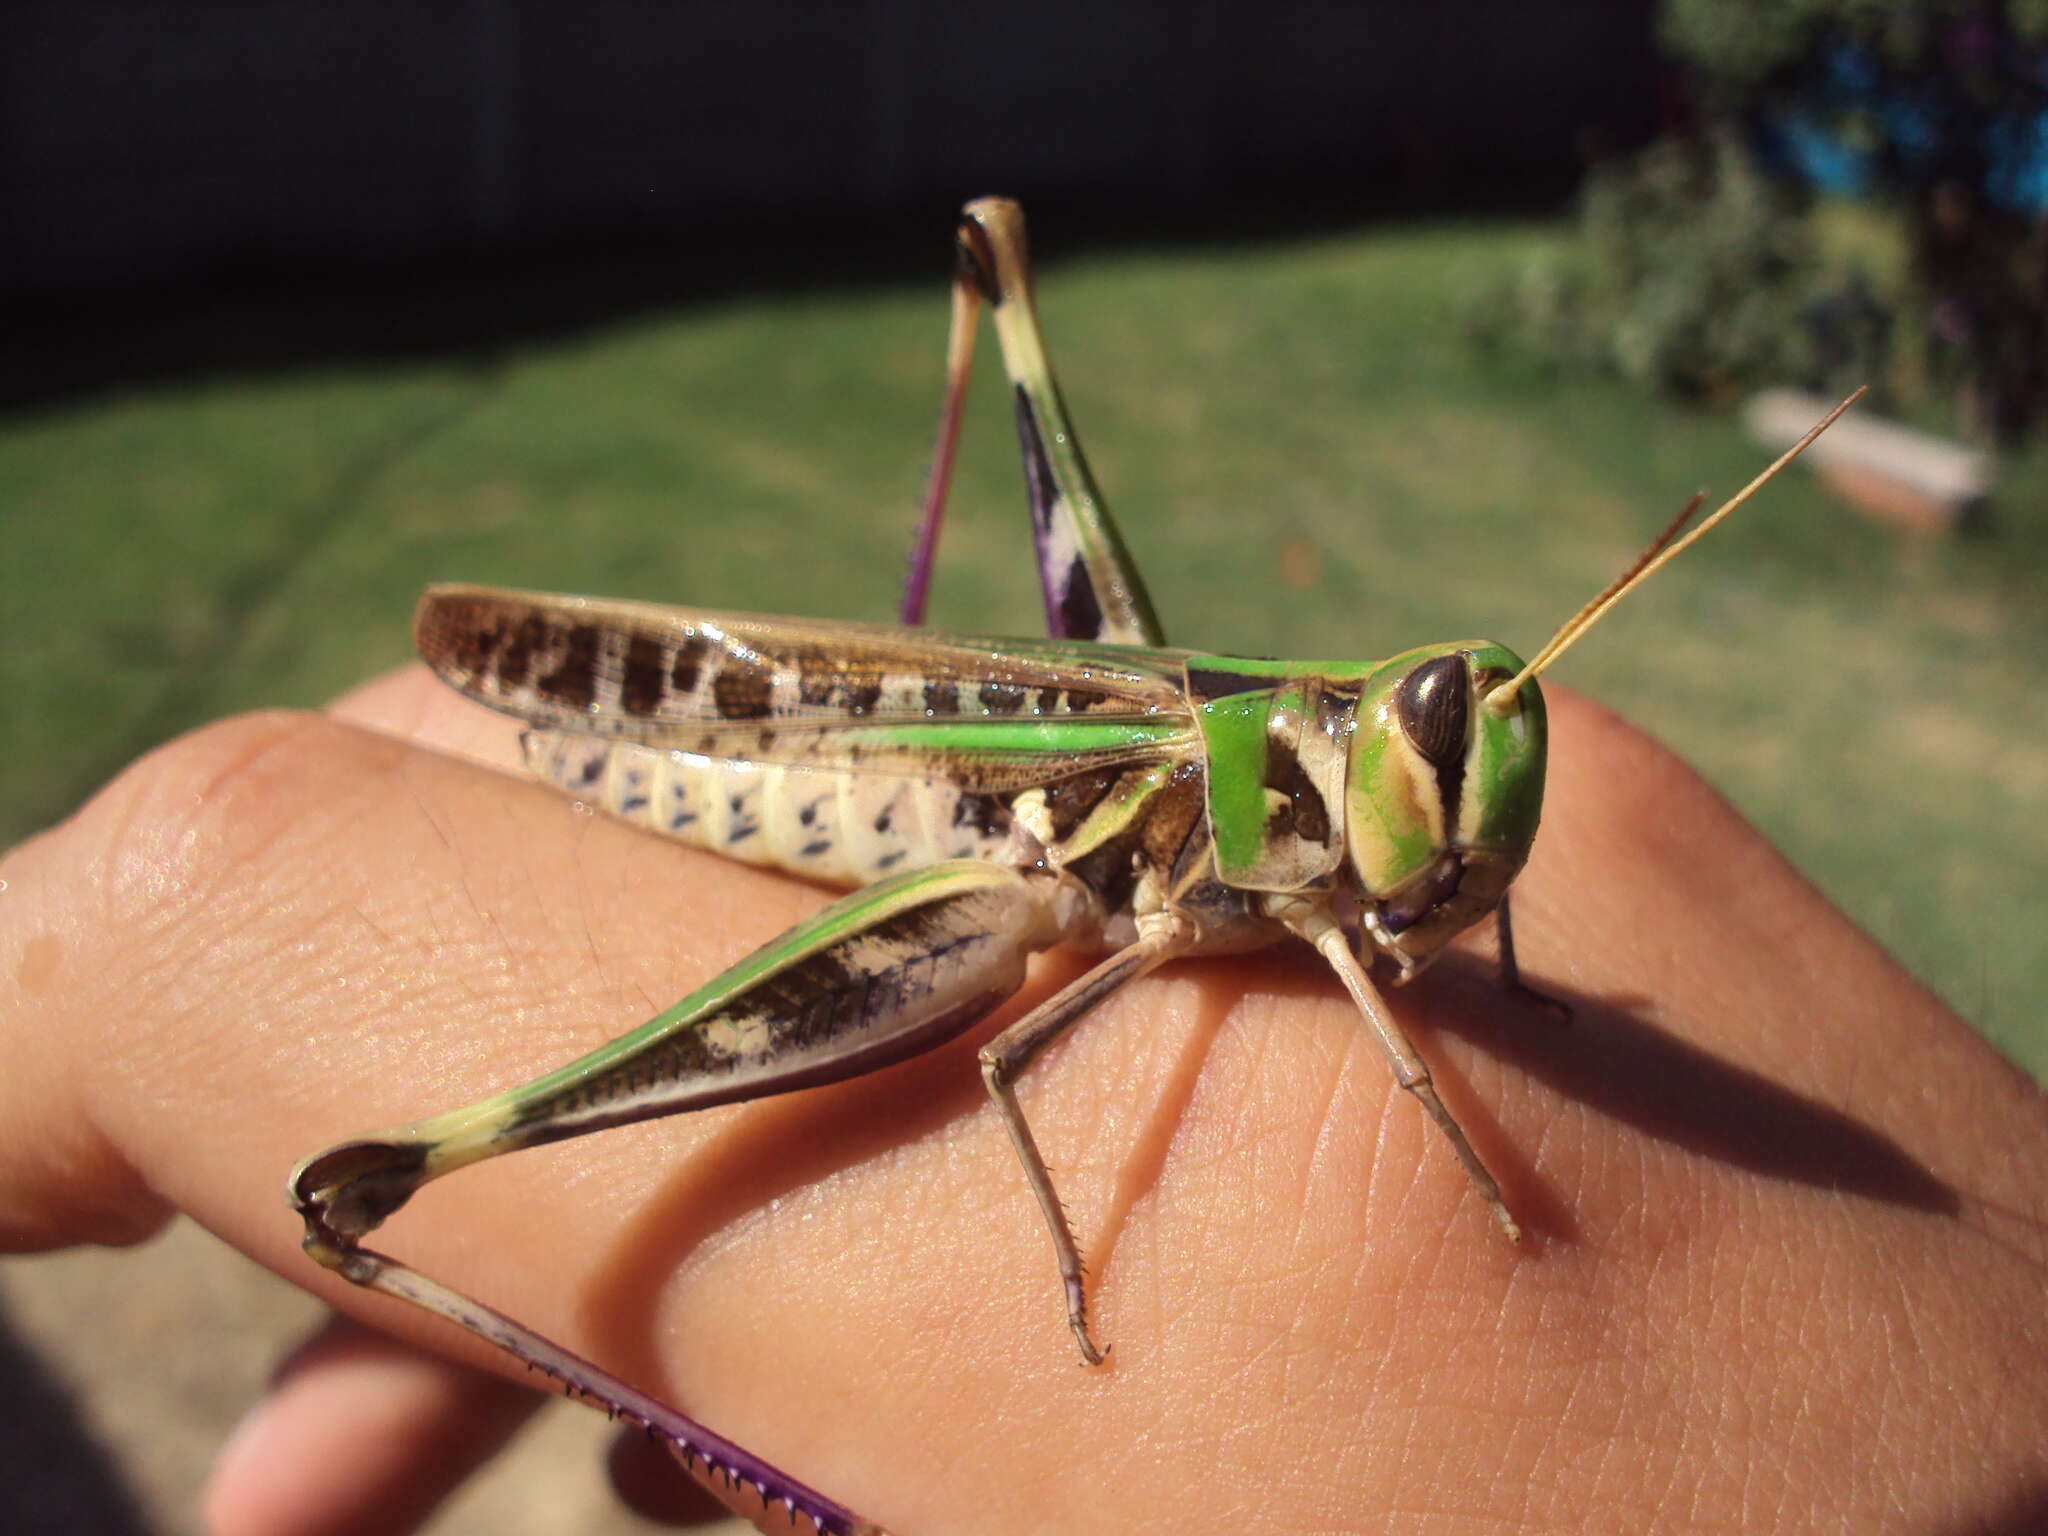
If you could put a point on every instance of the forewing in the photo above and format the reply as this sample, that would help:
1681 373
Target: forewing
985 713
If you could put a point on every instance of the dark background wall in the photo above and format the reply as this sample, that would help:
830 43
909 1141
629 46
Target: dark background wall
140 138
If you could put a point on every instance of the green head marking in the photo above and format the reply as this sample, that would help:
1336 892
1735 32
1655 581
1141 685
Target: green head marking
1443 794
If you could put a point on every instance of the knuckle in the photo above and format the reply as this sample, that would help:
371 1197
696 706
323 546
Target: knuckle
176 822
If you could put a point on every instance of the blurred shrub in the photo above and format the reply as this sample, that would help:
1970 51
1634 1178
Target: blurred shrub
1696 272
1863 196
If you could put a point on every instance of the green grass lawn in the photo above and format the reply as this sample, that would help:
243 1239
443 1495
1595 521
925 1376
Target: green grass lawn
1308 460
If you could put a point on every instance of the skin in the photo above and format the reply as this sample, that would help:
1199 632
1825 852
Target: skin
1786 1255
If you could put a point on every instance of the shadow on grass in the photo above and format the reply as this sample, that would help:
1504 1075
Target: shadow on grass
269 312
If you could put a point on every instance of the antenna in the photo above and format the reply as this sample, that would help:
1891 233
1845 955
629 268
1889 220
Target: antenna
1660 553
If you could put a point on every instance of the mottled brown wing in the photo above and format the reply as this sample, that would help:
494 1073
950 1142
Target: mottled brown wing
823 693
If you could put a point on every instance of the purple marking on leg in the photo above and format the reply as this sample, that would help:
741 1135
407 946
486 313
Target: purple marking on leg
924 553
1057 569
917 582
691 1441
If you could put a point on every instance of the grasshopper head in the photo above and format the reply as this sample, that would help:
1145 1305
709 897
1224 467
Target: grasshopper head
1443 793
1447 750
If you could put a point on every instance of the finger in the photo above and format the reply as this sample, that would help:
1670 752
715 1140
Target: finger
314 930
359 1434
409 703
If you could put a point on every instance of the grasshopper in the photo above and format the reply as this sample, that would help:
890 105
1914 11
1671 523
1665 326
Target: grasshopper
990 798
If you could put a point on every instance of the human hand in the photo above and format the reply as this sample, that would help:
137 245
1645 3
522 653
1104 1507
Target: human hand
1785 1266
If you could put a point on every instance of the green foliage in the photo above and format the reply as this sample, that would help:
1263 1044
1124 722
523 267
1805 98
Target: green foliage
1738 49
1737 45
1703 267
1697 274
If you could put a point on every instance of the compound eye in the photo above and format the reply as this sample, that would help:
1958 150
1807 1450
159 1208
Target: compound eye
1434 705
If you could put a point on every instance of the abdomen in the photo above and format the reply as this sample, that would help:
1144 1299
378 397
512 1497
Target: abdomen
828 824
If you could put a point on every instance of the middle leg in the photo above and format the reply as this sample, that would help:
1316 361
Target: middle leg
1004 1059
